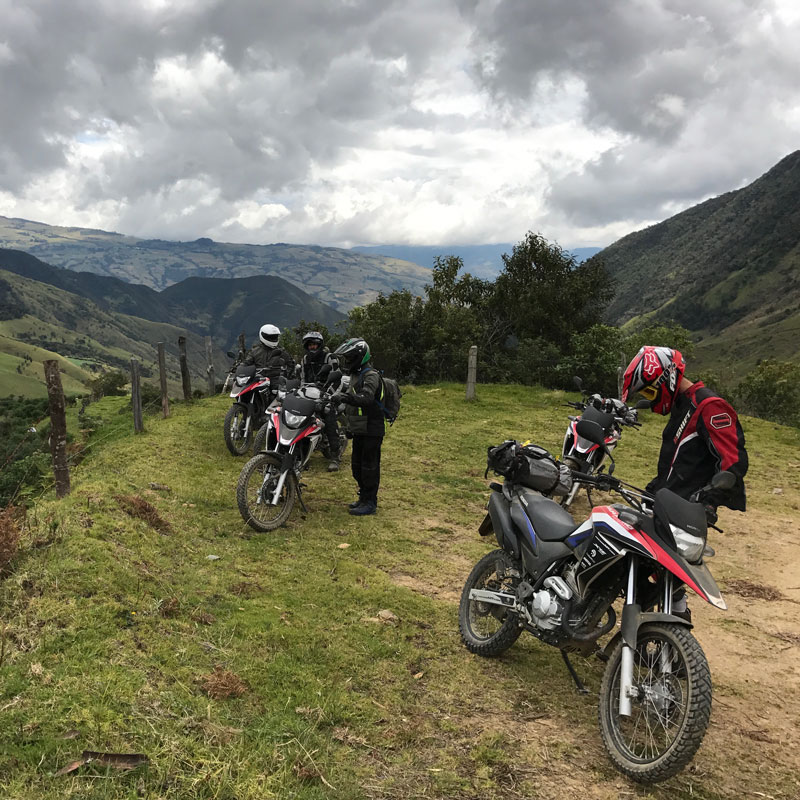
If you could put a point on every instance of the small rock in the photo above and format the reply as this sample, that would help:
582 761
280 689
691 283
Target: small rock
777 490
384 615
343 546
212 558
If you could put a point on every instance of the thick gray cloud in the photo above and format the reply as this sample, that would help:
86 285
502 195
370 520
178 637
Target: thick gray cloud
417 121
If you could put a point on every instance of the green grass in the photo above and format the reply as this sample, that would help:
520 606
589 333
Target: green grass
110 627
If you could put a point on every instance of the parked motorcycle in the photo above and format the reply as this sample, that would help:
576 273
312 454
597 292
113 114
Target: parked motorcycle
588 457
269 484
252 394
265 438
559 581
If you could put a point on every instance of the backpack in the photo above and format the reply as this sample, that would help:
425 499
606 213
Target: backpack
391 399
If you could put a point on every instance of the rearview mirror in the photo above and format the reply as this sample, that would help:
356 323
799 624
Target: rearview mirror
723 480
591 431
230 354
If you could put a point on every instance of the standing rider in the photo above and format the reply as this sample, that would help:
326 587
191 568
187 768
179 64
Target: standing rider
265 353
317 364
703 435
365 421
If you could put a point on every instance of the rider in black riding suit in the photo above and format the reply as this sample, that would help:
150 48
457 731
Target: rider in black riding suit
316 365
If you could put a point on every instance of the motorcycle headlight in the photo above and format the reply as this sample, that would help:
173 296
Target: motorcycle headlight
295 420
689 546
241 381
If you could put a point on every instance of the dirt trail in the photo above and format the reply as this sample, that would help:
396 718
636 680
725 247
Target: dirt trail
752 748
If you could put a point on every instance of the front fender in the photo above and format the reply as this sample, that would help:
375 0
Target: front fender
632 619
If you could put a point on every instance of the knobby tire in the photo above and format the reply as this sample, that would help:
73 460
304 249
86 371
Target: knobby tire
264 517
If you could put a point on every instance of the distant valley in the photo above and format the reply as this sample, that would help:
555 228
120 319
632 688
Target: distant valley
94 322
340 278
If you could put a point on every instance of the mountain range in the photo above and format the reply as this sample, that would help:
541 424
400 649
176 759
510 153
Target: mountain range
727 269
95 322
338 277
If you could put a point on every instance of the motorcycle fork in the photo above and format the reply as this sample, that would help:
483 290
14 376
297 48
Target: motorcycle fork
286 466
630 614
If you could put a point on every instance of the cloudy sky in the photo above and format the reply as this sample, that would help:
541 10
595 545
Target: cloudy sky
427 122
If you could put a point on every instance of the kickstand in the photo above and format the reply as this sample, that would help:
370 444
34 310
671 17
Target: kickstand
300 497
578 682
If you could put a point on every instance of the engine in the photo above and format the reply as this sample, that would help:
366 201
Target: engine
547 604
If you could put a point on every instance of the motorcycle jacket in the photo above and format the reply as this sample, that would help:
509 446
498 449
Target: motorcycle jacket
275 360
703 437
317 365
363 414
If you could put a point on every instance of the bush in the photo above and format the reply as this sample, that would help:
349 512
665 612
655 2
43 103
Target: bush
770 391
109 384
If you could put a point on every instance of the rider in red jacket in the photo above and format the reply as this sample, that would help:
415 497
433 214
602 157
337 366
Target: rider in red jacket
703 435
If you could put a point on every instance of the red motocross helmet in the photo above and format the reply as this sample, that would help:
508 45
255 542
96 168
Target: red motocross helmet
654 372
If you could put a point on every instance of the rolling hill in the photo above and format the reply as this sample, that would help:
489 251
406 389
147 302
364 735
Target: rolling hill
338 277
727 269
97 322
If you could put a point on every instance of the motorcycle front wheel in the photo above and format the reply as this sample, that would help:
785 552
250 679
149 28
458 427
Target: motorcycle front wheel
257 482
235 424
671 709
261 442
487 629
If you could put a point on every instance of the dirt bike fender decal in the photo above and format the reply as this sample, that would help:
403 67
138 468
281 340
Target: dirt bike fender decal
580 535
606 518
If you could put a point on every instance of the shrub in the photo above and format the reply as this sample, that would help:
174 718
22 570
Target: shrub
770 391
109 384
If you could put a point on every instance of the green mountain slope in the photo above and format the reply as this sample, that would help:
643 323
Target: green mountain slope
338 277
66 325
221 308
730 261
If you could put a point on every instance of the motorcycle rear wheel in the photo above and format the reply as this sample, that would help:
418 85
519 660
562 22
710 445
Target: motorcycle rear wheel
670 716
235 421
486 629
257 482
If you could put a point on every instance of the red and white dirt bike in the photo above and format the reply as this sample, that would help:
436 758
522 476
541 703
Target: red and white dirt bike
252 395
269 483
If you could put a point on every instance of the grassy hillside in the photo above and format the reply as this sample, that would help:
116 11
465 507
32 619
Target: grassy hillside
60 324
726 268
267 671
337 277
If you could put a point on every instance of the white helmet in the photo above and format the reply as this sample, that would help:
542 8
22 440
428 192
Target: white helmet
269 335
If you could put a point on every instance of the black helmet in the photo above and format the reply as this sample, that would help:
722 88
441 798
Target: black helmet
313 336
353 354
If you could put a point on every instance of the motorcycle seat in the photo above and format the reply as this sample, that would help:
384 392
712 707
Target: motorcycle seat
551 522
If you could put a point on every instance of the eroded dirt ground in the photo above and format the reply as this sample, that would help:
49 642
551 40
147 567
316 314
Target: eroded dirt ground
752 747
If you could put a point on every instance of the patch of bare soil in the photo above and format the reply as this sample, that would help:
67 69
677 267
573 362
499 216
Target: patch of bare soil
752 746
138 508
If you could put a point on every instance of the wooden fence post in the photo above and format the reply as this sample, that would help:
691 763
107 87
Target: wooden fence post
136 397
472 368
162 375
621 373
58 427
210 382
242 345
185 380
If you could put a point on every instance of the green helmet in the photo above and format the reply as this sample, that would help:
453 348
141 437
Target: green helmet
353 354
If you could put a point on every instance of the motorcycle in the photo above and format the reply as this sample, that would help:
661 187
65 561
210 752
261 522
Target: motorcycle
588 457
559 581
265 438
269 483
252 395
